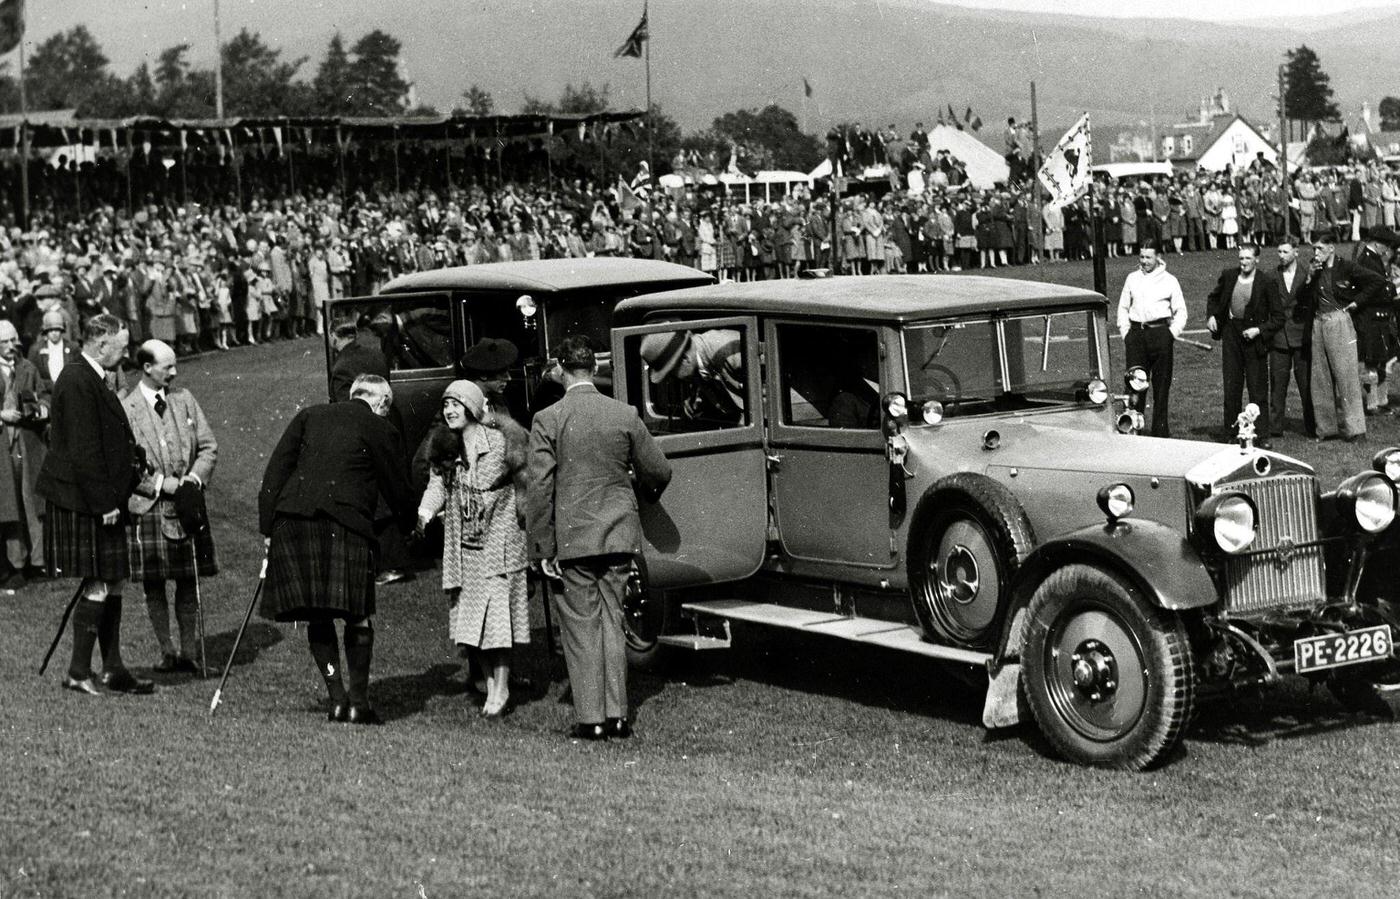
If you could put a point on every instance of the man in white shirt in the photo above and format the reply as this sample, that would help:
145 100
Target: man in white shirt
1151 316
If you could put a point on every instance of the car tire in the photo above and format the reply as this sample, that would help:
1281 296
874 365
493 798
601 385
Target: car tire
968 540
644 620
1110 678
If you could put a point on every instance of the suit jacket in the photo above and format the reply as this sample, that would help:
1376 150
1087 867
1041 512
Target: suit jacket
1294 333
1353 284
584 452
363 357
194 451
39 355
1263 311
91 465
333 461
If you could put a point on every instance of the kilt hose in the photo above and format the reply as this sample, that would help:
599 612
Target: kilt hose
80 545
317 569
154 557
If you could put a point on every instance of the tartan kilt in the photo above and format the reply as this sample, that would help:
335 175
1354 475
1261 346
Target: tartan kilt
317 569
156 558
79 545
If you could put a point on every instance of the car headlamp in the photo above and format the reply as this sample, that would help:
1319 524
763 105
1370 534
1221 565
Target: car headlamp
1368 501
1131 421
896 406
932 412
1136 380
1231 519
1096 392
526 305
1387 462
1117 501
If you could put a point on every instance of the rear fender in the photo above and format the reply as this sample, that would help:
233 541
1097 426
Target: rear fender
1157 559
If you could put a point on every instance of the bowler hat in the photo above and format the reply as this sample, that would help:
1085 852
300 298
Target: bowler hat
663 352
1386 236
489 356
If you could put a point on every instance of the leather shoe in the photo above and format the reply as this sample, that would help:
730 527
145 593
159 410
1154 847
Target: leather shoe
168 662
85 686
186 664
340 712
363 714
123 681
618 727
392 576
588 732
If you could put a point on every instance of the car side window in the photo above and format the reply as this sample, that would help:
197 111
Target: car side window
690 379
830 377
414 333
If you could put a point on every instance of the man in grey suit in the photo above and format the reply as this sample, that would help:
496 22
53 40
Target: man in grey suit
590 456
1291 349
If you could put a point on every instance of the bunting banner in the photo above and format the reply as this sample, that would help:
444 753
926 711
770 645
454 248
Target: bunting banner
1065 173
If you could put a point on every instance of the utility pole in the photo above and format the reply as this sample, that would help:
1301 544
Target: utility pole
1039 223
1283 152
218 66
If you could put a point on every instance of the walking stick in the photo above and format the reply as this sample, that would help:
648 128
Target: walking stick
548 615
62 626
1198 344
228 666
199 611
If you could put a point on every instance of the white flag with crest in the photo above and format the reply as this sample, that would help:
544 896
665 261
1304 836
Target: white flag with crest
1065 173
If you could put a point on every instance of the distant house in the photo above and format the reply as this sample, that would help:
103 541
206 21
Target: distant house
1216 139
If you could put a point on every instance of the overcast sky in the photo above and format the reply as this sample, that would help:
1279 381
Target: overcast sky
1185 9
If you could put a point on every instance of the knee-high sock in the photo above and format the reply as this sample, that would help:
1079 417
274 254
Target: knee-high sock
359 651
85 621
109 633
159 612
325 649
187 617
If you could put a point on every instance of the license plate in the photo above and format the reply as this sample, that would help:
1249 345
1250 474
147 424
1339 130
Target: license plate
1337 650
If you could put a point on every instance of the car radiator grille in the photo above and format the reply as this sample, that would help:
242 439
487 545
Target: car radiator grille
1284 568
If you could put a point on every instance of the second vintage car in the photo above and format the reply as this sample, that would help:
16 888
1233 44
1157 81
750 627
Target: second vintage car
938 465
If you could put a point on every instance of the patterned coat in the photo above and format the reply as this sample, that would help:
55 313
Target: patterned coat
26 441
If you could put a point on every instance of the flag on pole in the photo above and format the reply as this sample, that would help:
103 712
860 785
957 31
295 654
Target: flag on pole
1065 173
626 198
635 40
953 117
11 24
806 87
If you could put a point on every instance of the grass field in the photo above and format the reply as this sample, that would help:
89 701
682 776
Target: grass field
785 766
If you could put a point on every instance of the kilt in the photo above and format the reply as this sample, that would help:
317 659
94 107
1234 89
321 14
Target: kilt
317 569
154 557
79 545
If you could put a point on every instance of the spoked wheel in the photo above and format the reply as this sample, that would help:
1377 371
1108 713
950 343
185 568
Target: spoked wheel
1108 676
643 619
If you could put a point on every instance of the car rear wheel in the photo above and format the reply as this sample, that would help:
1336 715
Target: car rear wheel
1108 676
643 619
968 540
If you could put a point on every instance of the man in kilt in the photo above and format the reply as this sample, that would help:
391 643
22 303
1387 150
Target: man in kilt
92 468
179 445
316 509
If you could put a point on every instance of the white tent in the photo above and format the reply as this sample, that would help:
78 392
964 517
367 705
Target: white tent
984 166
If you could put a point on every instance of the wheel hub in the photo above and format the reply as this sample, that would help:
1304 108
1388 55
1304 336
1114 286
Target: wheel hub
960 575
1095 671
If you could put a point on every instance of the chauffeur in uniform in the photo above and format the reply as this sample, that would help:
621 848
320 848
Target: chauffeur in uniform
582 525
90 471
172 430
316 508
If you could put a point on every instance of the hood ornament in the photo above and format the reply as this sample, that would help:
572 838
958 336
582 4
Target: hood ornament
1244 425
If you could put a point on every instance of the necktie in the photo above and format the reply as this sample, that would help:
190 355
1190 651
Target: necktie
160 405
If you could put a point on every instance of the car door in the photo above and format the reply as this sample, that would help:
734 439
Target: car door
711 523
827 465
419 335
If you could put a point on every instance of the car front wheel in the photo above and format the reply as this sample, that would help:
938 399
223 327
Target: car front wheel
1108 676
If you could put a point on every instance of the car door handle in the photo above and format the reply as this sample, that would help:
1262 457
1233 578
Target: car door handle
774 460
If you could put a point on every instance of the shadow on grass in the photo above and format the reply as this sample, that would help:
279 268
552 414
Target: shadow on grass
407 695
1261 718
257 638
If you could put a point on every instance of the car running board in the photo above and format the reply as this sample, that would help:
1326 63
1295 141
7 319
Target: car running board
871 631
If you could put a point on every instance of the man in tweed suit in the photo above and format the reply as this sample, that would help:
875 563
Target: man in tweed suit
90 471
582 525
171 428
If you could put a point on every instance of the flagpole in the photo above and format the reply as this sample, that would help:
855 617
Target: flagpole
218 67
23 138
651 129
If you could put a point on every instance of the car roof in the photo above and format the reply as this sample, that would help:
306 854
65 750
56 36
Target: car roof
545 275
892 298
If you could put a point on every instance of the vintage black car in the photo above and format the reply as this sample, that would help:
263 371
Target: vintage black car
426 320
937 465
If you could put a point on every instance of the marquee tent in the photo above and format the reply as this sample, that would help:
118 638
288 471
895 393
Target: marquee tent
985 167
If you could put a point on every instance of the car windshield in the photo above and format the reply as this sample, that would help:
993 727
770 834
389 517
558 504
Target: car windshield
988 365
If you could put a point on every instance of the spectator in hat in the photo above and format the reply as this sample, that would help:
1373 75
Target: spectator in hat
487 363
706 366
24 410
54 348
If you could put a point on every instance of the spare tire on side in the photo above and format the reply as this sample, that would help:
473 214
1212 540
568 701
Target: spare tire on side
968 539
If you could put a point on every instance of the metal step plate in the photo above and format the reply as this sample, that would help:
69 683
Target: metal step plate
858 630
693 641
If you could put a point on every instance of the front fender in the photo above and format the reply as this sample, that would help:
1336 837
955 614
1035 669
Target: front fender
1157 559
